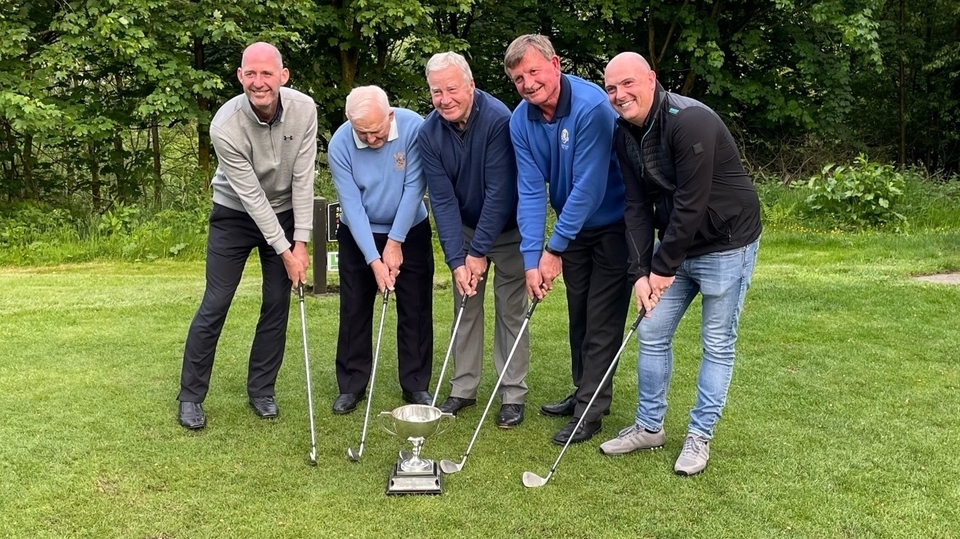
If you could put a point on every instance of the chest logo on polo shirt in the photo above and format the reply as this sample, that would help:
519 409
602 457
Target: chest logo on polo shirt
565 139
401 160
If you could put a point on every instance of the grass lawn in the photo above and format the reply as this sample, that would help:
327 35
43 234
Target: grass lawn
842 418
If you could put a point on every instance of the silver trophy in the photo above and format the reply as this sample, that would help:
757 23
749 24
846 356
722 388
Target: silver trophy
415 422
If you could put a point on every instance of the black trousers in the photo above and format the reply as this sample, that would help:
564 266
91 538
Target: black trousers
598 296
413 293
233 236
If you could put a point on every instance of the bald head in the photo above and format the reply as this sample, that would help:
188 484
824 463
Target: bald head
261 51
261 73
630 86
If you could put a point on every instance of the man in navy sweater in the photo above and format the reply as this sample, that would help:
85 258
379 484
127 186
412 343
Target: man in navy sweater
562 134
469 165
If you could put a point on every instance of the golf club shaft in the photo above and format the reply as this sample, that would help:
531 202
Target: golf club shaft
373 373
453 338
506 365
603 381
306 365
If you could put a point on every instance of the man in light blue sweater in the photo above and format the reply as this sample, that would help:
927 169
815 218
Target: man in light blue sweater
385 244
266 144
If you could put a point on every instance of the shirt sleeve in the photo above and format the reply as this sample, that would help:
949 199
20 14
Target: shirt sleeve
239 172
531 194
414 187
304 172
591 166
443 202
351 202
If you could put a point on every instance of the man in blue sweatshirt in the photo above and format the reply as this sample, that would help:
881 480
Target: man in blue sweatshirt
385 244
469 164
266 144
562 134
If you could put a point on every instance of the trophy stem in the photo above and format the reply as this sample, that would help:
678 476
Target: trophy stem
415 463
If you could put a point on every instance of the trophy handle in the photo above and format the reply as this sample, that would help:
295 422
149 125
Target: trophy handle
384 425
449 423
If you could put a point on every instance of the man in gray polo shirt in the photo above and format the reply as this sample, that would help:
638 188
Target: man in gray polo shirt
266 144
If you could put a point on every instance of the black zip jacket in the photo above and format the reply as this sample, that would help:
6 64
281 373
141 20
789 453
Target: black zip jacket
684 178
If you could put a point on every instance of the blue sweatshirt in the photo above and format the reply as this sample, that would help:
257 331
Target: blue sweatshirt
573 153
380 190
472 177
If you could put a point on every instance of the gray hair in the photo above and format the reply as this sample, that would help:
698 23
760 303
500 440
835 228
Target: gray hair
519 47
443 60
363 99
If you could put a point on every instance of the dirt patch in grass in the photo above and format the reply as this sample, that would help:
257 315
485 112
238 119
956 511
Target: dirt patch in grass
942 278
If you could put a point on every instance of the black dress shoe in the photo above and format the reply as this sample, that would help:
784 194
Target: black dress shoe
454 404
565 407
417 397
346 403
584 433
191 415
510 416
264 407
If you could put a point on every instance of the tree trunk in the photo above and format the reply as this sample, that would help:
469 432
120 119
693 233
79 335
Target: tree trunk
203 126
30 188
157 180
94 175
902 112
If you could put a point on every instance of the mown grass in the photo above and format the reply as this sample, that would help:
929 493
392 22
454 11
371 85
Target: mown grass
841 419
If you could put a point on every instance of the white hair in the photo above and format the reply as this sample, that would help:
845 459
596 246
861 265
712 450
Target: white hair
363 99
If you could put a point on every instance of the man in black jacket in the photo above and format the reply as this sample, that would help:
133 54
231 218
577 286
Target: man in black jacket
684 179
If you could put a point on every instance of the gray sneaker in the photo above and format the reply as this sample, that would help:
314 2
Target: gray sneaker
632 438
694 455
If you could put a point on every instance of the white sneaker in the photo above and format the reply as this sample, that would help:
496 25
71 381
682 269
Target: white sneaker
694 455
632 438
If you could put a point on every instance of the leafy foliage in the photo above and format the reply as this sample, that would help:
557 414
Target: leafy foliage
865 194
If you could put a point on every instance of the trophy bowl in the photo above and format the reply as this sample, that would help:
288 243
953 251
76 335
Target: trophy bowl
416 423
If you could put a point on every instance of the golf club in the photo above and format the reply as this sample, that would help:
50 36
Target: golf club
450 467
351 454
532 480
306 366
453 338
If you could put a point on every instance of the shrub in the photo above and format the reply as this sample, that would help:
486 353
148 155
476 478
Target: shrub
862 195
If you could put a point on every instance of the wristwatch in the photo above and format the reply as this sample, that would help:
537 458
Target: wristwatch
552 251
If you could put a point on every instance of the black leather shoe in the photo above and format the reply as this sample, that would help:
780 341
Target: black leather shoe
454 404
510 416
584 433
346 403
417 397
565 407
191 415
264 407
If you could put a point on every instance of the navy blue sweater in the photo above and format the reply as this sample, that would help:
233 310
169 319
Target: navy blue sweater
471 176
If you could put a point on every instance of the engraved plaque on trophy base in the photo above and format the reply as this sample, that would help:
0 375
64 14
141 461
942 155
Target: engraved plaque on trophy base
428 482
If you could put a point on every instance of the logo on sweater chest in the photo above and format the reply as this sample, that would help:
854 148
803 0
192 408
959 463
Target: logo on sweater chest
565 139
401 160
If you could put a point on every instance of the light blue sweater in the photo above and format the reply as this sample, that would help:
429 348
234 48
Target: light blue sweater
380 190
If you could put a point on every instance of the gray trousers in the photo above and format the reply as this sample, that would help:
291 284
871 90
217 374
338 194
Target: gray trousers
510 306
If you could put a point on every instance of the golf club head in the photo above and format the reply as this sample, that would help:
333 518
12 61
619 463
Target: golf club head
354 456
532 480
450 467
313 457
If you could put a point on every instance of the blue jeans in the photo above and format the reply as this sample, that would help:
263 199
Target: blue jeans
722 279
